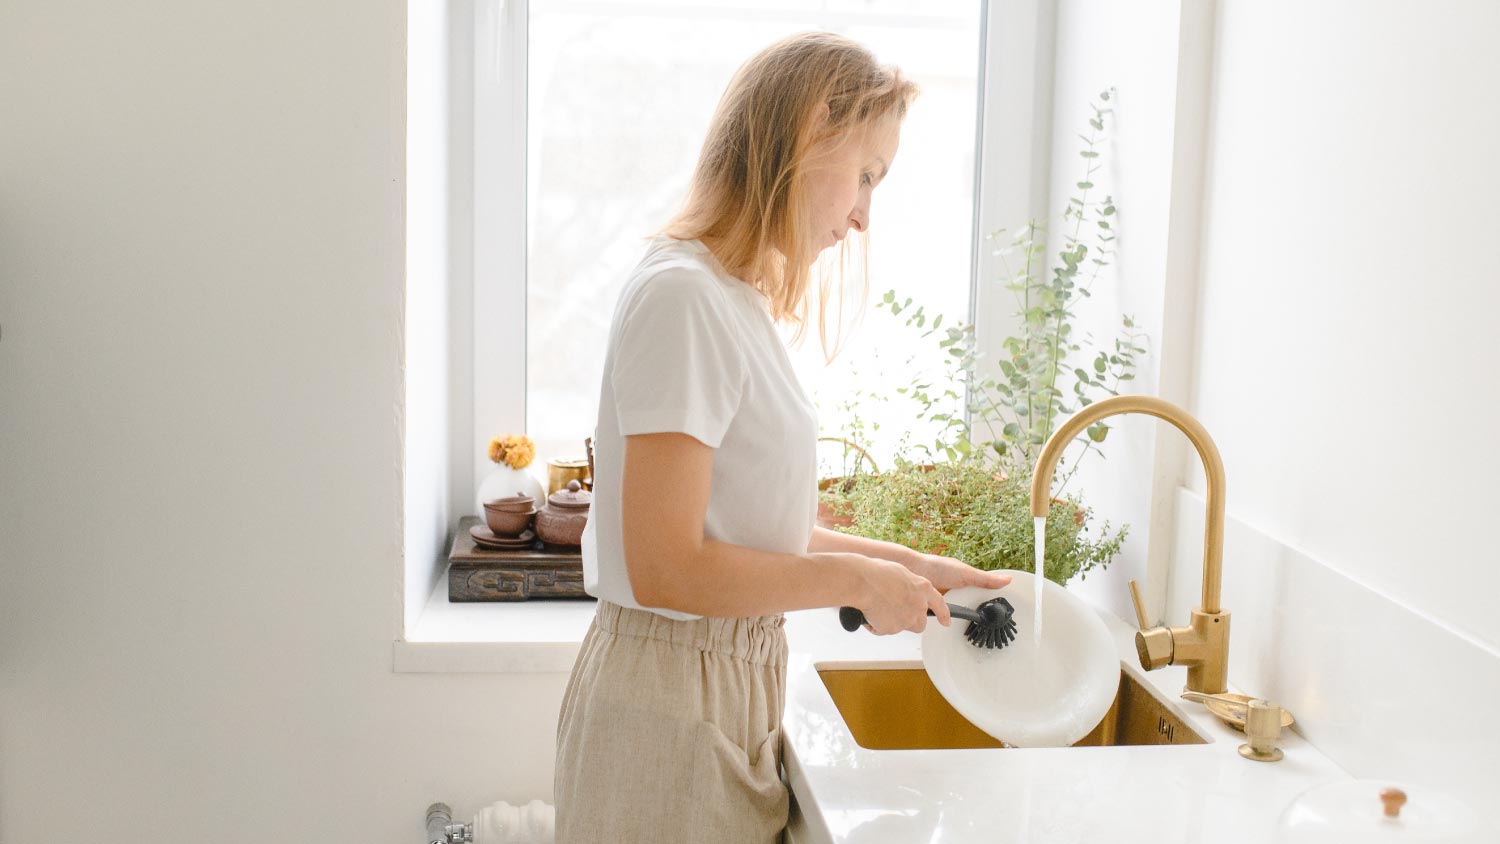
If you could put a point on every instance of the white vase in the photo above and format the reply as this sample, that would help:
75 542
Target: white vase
504 482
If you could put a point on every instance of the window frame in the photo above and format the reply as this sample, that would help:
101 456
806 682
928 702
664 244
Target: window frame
499 80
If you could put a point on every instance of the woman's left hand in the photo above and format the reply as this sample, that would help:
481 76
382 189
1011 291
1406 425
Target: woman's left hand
946 573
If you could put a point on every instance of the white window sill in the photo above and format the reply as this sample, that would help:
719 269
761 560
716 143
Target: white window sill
524 637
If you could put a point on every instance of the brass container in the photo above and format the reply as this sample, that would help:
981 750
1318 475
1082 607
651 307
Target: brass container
562 470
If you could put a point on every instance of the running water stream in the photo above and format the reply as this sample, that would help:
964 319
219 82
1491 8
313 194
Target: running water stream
1040 572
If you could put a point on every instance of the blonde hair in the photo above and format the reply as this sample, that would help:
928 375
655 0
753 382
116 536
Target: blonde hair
748 193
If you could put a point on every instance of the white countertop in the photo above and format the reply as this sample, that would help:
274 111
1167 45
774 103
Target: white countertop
1156 794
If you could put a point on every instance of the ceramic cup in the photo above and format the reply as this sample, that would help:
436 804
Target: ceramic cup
507 523
518 503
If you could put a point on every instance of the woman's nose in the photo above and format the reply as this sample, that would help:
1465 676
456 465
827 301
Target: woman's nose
859 218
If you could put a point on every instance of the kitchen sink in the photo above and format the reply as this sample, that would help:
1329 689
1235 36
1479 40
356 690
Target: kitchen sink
894 706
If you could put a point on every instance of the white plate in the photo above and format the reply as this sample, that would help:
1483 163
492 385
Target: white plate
1026 694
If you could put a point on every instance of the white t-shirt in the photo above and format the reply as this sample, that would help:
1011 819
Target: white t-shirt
694 350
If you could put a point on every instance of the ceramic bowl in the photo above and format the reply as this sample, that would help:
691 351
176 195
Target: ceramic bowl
505 523
518 503
1047 693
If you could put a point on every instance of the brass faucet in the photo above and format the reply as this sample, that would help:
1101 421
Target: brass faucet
1202 646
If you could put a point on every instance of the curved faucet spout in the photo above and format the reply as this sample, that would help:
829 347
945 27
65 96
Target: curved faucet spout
1213 469
1203 646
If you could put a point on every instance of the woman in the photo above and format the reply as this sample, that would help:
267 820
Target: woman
702 529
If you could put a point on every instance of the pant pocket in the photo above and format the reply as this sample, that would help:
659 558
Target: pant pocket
750 800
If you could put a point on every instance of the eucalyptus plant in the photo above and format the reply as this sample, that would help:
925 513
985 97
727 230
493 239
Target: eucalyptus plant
967 494
1008 415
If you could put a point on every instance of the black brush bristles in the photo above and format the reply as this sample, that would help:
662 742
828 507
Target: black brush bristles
996 626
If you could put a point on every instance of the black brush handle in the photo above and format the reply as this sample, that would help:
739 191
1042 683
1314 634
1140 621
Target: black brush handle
853 619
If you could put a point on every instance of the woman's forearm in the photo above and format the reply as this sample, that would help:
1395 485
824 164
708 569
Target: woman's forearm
823 539
725 580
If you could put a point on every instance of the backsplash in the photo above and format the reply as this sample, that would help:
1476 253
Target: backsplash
1384 691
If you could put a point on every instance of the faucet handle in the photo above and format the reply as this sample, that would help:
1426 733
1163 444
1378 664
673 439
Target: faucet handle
1140 606
1153 644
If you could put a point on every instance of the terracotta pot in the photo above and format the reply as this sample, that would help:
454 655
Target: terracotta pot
828 515
842 483
830 518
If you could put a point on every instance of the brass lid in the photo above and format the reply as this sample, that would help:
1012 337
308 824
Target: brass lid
575 497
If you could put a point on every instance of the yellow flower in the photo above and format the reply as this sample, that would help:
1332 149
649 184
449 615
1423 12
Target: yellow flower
514 450
519 451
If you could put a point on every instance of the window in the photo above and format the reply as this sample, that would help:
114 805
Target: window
547 138
619 96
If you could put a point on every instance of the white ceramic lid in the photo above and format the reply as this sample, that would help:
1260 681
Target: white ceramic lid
1027 694
1354 811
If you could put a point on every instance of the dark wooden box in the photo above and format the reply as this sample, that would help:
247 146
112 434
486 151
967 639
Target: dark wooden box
542 571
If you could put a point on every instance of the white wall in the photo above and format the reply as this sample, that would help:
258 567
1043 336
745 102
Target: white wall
1330 203
201 266
1342 330
1345 305
1349 293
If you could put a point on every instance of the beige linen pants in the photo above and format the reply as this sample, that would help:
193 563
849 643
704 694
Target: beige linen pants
670 731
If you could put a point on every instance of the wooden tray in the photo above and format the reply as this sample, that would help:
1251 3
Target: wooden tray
542 571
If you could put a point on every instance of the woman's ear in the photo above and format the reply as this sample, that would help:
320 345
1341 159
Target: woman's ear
818 120
818 130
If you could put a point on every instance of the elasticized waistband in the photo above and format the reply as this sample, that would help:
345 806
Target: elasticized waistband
756 639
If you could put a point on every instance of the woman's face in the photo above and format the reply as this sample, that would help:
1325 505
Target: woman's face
844 174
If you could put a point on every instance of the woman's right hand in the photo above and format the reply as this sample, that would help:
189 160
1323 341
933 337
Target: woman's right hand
896 599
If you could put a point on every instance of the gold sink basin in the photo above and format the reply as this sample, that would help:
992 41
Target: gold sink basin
894 706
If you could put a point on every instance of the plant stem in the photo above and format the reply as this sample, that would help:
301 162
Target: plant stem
985 395
1068 475
1062 306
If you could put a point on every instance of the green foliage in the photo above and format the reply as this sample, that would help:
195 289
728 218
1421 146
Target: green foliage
1011 409
966 510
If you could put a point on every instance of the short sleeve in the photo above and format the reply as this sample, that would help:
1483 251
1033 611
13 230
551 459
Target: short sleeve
678 366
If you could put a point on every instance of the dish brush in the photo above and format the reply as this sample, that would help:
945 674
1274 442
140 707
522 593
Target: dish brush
991 625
